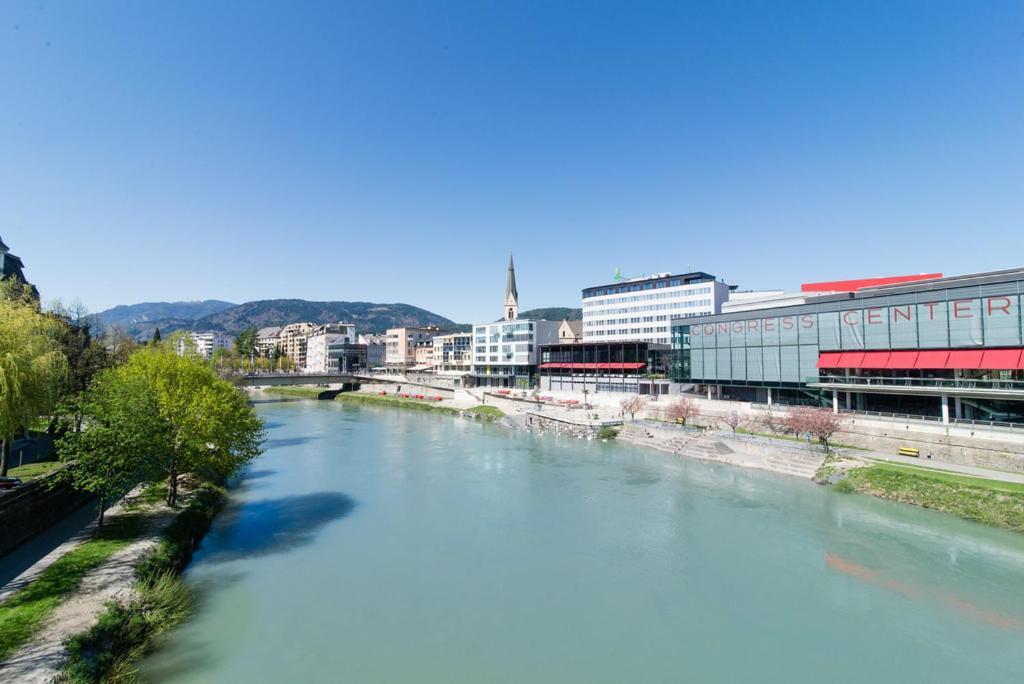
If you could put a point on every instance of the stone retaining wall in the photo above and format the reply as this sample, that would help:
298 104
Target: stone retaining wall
33 507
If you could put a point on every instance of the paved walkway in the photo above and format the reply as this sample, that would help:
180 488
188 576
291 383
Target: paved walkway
40 660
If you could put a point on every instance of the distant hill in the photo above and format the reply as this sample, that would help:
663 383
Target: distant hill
554 313
139 320
367 316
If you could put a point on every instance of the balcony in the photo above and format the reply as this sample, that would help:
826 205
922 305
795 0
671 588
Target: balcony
961 387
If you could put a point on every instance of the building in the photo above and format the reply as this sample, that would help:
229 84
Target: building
944 348
423 355
291 340
333 348
400 349
631 367
375 346
505 353
570 332
12 267
642 308
204 343
267 340
453 355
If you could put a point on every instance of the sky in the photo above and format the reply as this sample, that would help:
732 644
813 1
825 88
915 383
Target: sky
398 151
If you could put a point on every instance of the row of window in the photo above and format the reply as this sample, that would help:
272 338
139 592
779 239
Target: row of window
630 331
672 306
620 321
649 297
637 287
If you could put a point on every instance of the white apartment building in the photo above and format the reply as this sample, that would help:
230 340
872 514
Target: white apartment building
333 348
641 309
267 340
204 343
505 353
453 354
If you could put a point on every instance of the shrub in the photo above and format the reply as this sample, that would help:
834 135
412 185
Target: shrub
607 432
844 486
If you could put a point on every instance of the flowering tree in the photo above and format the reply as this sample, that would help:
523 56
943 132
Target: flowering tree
682 410
734 421
820 423
632 405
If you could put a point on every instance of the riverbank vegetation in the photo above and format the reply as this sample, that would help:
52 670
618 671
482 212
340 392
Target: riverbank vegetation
160 601
487 412
992 502
392 400
300 392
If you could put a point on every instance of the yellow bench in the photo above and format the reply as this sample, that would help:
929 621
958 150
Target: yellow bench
910 451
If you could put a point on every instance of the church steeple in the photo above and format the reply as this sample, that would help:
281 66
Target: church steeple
511 294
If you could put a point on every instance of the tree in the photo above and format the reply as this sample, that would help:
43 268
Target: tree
208 425
245 343
734 421
123 425
85 355
156 337
632 405
820 423
682 410
32 368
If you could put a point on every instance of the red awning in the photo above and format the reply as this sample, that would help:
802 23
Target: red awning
902 359
968 359
829 359
875 360
933 359
851 360
1002 359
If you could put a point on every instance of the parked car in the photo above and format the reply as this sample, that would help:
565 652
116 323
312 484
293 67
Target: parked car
9 482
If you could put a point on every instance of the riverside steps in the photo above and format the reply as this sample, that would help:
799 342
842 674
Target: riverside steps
740 450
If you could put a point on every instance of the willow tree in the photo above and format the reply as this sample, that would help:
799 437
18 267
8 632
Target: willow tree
32 368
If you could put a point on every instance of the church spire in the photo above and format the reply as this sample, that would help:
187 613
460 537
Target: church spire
511 294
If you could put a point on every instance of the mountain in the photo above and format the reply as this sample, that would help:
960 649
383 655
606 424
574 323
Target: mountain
554 313
367 316
139 320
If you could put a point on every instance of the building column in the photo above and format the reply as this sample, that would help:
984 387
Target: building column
769 396
958 405
709 391
849 400
945 409
835 401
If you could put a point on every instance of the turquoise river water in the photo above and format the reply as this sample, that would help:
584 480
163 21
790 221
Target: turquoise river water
379 545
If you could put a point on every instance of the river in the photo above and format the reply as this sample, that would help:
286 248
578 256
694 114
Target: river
378 545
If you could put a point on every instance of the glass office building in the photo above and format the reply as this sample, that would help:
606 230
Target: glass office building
949 348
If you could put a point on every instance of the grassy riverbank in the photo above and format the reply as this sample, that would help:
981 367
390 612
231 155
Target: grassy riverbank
392 400
301 392
34 471
486 412
24 612
992 502
127 631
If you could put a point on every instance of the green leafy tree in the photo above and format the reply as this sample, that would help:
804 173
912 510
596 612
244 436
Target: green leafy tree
208 425
123 424
32 368
245 343
86 357
156 337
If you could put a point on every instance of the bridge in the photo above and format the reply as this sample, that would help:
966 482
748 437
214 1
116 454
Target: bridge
281 379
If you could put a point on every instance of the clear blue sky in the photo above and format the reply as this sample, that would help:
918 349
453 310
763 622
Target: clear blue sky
397 151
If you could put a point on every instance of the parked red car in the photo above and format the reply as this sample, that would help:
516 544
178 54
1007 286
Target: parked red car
9 482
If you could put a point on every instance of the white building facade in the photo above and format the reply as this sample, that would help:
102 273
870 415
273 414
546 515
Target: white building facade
641 309
505 353
204 343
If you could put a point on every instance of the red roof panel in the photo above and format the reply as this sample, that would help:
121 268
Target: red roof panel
933 359
875 360
851 360
902 359
1002 359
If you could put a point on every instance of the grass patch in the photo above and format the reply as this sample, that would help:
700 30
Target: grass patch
486 411
391 400
126 632
23 613
302 392
607 432
33 471
1000 504
844 486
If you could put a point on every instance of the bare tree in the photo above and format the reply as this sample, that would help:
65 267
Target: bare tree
734 421
633 405
682 410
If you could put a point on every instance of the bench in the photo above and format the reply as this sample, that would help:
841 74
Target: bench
909 451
